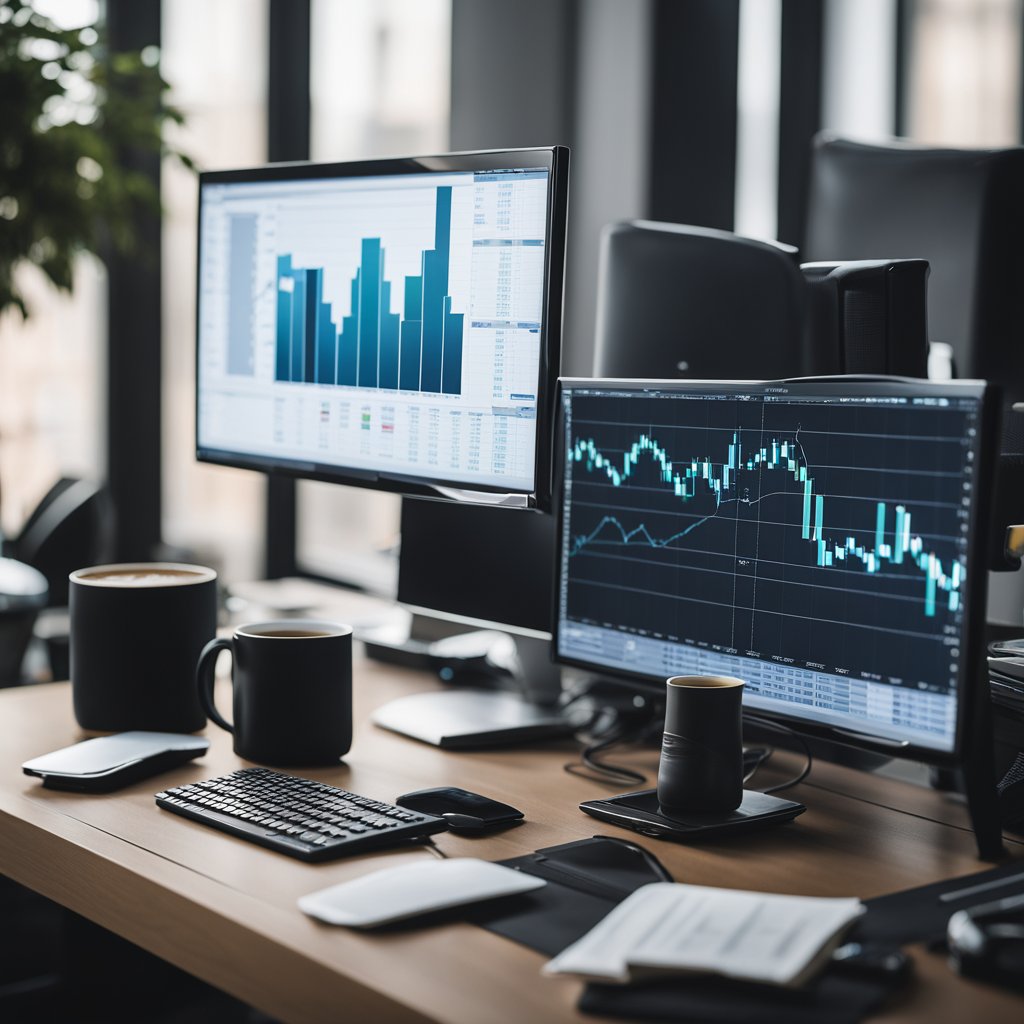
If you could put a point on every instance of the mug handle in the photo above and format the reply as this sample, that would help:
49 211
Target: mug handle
205 676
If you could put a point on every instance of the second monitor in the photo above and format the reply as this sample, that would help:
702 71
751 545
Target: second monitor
823 540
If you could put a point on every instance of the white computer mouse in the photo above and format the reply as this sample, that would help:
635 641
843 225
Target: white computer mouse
394 894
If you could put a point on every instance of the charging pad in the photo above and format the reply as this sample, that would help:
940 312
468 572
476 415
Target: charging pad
642 813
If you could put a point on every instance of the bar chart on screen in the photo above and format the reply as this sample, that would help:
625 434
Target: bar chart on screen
391 320
416 349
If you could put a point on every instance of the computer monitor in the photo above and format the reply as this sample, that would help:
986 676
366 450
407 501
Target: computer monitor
391 323
824 540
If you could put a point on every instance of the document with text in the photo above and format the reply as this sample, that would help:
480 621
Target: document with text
666 927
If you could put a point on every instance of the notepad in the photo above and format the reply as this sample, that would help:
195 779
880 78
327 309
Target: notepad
666 927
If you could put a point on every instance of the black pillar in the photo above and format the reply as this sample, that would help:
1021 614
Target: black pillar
693 115
288 118
799 110
134 336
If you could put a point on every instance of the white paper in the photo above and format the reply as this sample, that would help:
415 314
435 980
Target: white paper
757 936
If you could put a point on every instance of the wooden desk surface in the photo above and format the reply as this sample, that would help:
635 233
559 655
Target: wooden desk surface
224 909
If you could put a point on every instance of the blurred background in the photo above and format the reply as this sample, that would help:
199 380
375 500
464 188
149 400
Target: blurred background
699 112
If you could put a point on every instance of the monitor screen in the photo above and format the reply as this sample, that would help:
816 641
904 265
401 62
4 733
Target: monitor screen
816 539
393 324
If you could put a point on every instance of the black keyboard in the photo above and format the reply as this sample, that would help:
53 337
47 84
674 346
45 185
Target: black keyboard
296 816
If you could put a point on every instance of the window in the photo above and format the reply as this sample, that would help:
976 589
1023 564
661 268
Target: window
51 389
964 72
52 421
214 57
380 86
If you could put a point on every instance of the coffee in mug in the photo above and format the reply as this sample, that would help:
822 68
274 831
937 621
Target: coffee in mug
136 632
292 691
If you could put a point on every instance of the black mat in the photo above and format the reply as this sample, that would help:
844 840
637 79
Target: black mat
920 915
703 1000
587 879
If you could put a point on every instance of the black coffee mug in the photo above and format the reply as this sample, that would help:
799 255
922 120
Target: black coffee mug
292 684
136 631
701 767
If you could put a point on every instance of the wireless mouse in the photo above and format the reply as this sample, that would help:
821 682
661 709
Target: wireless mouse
409 890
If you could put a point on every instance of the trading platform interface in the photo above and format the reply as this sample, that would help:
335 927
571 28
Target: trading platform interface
813 543
389 324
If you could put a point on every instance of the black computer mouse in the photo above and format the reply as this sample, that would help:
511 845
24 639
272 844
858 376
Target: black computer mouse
464 822
464 811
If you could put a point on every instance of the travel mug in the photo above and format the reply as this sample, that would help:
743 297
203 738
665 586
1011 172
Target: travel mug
701 767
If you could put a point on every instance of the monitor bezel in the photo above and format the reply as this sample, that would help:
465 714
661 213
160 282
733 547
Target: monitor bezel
972 681
553 158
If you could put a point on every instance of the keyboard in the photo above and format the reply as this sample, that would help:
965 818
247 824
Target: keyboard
302 818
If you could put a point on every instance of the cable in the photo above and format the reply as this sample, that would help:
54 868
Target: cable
619 733
768 724
436 850
599 771
758 755
628 725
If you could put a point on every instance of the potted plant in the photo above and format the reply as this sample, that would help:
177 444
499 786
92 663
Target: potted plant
71 111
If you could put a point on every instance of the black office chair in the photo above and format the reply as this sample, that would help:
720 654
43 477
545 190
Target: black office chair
960 209
71 527
676 300
963 211
22 595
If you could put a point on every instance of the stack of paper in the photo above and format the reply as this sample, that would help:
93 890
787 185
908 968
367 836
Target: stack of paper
779 940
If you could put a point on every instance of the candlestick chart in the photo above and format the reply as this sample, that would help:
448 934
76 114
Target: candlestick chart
812 533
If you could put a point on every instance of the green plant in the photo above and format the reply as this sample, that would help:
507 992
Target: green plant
73 118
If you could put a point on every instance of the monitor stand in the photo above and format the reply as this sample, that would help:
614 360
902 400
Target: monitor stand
466 718
472 719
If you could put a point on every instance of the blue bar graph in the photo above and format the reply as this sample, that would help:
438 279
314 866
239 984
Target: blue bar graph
417 349
285 291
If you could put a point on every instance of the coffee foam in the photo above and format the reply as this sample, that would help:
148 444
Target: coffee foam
142 576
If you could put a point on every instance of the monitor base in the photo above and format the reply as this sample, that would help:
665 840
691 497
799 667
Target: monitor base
467 719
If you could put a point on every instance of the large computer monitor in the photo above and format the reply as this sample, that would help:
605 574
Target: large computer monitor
823 540
392 323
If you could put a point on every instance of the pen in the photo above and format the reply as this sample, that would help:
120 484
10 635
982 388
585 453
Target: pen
971 890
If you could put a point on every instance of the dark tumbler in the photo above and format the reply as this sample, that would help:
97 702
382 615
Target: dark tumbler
701 766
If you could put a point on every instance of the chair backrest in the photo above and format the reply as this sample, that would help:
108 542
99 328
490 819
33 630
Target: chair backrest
676 300
71 527
23 592
962 210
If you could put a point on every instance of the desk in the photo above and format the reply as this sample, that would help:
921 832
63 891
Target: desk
224 909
